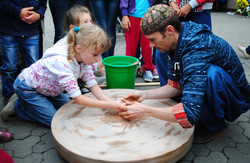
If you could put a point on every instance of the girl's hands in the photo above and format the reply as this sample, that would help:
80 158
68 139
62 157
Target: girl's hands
118 106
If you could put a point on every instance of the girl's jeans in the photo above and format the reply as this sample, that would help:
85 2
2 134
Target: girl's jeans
105 13
33 106
10 45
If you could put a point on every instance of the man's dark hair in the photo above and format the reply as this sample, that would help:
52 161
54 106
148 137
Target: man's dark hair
175 22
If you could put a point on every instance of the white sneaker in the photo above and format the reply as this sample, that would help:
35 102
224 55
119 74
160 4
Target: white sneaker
9 109
243 50
148 77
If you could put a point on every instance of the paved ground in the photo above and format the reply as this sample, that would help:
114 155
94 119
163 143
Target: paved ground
33 142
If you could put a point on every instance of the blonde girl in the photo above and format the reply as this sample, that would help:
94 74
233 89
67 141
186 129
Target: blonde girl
40 87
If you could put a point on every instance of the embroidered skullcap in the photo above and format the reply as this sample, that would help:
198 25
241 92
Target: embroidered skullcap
156 17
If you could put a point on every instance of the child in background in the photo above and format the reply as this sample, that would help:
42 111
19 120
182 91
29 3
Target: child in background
76 16
19 30
40 87
58 10
132 12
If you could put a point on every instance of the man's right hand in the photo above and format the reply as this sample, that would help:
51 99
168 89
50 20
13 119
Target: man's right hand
134 97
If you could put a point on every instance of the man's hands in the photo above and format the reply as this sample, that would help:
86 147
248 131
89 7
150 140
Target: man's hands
132 107
133 111
29 16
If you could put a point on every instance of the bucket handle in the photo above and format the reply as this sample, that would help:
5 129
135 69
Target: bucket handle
135 63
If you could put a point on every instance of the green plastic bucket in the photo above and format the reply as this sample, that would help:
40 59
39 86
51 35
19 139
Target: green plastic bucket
120 71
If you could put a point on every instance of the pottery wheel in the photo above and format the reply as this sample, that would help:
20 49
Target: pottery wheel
84 134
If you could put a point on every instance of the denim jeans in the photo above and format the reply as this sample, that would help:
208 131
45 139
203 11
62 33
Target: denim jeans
223 100
58 10
10 45
248 50
105 13
161 60
35 107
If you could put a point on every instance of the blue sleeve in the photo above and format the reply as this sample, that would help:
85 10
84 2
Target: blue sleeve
42 8
9 8
196 62
124 7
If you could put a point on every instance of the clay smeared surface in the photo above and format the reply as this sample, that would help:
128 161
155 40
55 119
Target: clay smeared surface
101 134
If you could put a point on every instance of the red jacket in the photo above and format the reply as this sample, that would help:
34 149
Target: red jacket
201 4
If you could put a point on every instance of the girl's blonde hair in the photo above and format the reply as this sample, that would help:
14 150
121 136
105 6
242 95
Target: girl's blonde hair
73 15
89 36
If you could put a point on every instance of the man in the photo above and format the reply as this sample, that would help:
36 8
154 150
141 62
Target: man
202 68
197 11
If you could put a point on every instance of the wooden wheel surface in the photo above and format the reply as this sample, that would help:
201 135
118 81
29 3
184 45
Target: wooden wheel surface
84 134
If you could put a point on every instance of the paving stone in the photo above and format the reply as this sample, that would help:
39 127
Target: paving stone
32 158
22 148
22 131
235 156
235 132
217 145
199 150
45 144
39 131
188 157
246 127
241 118
6 125
51 156
22 122
244 148
213 157
247 114
184 161
9 152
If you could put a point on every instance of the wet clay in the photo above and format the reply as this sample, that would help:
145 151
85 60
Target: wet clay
101 135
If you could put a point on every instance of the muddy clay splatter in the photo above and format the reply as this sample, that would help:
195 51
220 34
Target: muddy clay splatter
118 143
77 113
113 117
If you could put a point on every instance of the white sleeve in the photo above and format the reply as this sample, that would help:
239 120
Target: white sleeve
193 3
173 1
88 75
